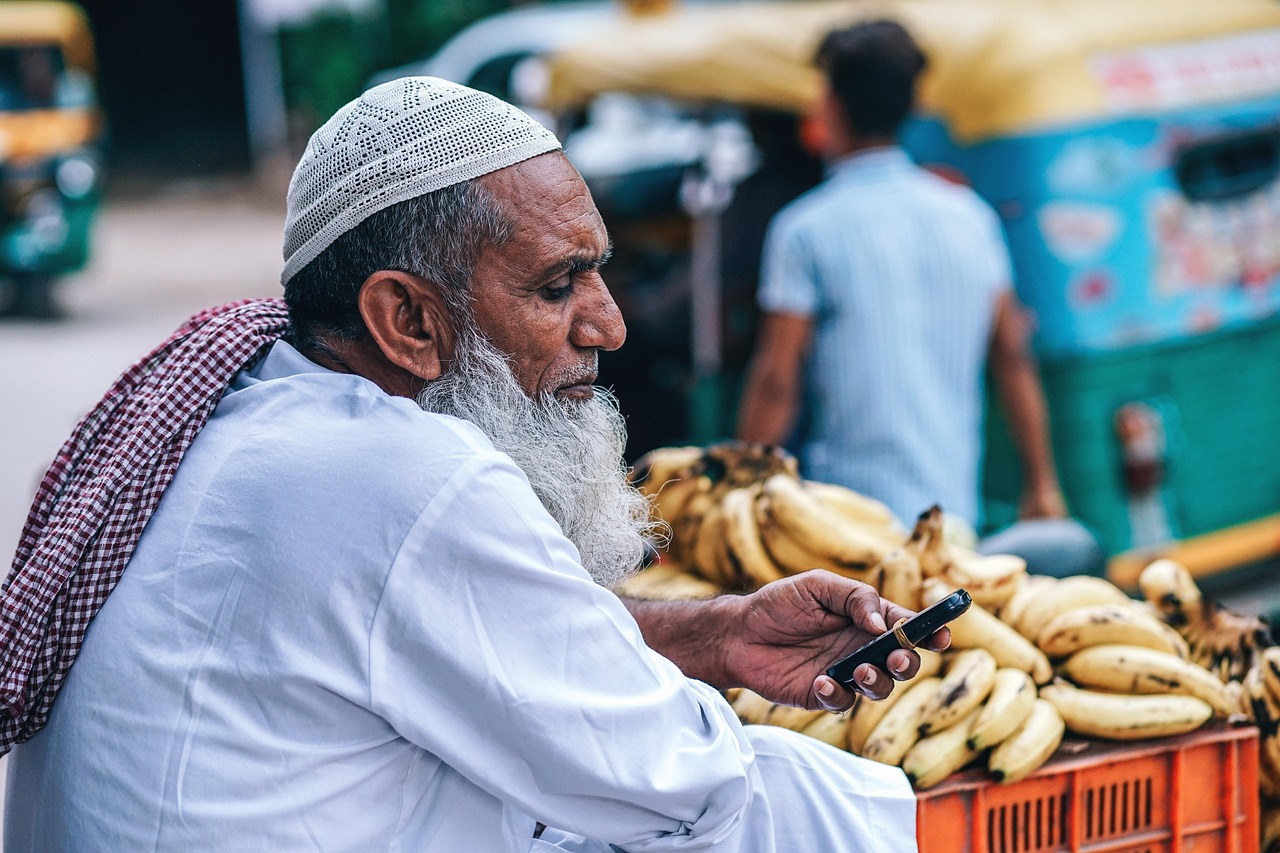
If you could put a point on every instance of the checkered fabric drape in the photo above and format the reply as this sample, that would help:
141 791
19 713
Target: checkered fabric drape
98 494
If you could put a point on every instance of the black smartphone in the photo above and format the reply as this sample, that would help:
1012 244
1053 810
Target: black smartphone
917 629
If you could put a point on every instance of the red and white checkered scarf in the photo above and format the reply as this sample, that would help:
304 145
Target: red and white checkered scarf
98 494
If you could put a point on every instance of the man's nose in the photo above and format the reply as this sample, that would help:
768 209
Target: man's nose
599 323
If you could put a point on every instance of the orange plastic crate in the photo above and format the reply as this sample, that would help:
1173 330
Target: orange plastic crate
1197 792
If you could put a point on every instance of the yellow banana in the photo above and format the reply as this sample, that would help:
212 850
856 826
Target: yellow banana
791 555
742 538
1137 669
990 580
1031 588
979 629
1269 665
662 465
1107 623
829 728
1116 716
686 522
1266 716
1071 593
1030 746
812 523
966 682
867 713
751 707
705 553
932 759
1012 697
662 581
930 664
897 578
1170 588
857 508
899 726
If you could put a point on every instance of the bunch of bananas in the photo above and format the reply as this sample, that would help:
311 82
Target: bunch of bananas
1261 697
1033 658
739 517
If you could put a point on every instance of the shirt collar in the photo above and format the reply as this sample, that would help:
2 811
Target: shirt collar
282 361
871 162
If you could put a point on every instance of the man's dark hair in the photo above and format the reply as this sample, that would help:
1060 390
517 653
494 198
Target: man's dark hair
872 69
437 236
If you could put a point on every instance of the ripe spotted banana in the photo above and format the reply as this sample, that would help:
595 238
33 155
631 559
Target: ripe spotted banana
1107 623
706 554
899 726
1012 697
1116 716
1068 594
742 538
932 759
1031 588
654 470
812 523
1136 669
791 555
1030 746
857 508
979 629
751 707
897 578
663 581
867 713
966 682
829 728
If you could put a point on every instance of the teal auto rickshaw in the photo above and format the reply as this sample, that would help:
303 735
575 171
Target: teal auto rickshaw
1132 150
50 161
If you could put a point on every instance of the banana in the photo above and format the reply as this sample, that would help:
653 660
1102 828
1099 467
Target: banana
1170 588
991 580
899 726
1067 594
1012 697
930 664
1031 588
793 556
1268 778
654 470
1136 669
1270 828
745 463
751 707
897 577
1266 716
979 629
686 522
742 537
966 682
809 521
662 581
857 508
928 542
1103 624
1269 666
867 713
1115 716
934 758
1029 747
705 553
829 728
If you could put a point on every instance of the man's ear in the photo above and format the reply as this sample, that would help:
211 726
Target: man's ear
409 321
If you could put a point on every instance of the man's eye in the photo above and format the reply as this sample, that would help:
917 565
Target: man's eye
558 291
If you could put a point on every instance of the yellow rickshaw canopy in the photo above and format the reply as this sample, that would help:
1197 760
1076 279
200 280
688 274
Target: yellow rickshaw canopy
45 22
995 66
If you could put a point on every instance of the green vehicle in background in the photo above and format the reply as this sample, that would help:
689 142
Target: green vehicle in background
50 138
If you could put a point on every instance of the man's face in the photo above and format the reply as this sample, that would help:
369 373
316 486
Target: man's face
540 298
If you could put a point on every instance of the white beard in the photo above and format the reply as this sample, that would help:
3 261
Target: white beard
570 451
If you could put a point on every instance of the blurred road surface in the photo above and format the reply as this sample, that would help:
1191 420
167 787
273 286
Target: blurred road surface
156 260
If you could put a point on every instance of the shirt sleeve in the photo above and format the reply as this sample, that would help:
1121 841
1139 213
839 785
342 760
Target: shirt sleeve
999 274
493 649
788 272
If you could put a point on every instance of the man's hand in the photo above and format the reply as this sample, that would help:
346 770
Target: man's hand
779 640
790 631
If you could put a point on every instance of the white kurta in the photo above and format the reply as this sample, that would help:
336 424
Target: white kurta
351 626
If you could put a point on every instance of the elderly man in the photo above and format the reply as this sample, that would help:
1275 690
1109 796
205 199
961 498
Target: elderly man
370 606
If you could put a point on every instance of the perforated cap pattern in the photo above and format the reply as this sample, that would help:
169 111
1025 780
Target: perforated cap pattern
399 140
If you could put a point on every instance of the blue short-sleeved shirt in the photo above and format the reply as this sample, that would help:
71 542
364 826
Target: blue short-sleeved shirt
900 272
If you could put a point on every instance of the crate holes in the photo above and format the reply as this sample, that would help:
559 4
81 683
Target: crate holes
1028 826
1117 808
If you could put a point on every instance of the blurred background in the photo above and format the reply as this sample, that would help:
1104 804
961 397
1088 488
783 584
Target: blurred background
1131 149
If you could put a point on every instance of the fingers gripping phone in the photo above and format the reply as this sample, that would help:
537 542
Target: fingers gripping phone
905 635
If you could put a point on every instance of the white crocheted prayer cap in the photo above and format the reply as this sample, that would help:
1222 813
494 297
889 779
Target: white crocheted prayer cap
399 140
